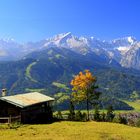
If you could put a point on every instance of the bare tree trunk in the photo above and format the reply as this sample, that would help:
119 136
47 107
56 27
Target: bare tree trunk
87 108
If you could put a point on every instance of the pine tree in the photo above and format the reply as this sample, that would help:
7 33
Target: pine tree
97 114
72 112
110 114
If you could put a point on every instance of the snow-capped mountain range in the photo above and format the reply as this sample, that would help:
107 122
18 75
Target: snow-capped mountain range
125 51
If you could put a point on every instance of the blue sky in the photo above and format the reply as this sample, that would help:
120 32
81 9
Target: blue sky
32 20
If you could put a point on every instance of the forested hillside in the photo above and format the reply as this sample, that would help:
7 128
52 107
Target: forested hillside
39 70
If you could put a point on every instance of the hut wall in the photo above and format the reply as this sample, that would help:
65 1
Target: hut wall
38 113
7 109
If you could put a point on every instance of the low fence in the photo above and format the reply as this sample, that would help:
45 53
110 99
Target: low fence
10 119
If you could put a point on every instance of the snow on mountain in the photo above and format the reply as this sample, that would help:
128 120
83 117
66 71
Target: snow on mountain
122 46
126 41
113 50
69 41
131 59
123 50
58 40
131 40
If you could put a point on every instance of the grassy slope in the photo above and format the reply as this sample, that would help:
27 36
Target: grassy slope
72 131
134 104
34 90
28 74
61 86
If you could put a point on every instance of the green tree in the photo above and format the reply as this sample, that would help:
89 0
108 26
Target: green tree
110 114
97 114
59 115
103 115
78 116
72 112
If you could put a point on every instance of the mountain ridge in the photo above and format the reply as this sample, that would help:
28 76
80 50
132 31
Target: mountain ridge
118 50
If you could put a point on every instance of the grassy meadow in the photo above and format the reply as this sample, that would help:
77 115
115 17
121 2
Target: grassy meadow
71 131
74 130
66 130
134 104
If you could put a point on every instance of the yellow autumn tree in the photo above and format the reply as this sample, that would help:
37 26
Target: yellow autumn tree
84 88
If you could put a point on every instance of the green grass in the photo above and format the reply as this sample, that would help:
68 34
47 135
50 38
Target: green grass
59 85
58 56
134 104
72 131
34 90
28 72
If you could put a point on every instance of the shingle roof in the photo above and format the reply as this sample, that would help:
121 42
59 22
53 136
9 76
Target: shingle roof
27 99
